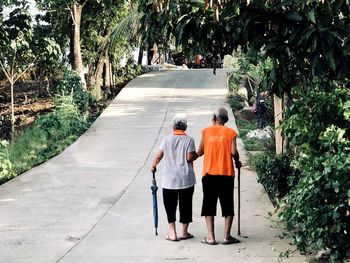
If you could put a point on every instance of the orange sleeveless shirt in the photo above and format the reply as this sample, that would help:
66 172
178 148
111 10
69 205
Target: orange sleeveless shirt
217 150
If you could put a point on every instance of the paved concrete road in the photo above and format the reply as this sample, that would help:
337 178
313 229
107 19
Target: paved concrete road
92 203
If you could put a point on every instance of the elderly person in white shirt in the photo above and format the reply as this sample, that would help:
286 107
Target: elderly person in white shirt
178 180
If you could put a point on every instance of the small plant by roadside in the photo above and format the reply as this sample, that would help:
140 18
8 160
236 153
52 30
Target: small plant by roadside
276 174
236 101
253 145
6 167
70 84
234 81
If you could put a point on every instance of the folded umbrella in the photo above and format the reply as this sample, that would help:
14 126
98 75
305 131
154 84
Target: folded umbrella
154 189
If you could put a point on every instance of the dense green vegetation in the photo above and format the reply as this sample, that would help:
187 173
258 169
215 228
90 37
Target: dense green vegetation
236 101
308 45
317 208
6 169
65 34
306 182
50 134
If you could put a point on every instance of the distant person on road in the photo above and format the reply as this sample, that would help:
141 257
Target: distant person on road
178 180
216 63
198 59
218 145
261 108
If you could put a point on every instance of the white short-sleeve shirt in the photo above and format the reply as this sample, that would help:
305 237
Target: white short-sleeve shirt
177 171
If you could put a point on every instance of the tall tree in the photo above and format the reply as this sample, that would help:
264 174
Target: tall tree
156 24
97 53
19 50
90 23
72 11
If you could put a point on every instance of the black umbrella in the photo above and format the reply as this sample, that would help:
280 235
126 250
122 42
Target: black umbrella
154 189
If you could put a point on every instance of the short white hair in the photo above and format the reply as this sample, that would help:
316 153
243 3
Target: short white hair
221 115
180 121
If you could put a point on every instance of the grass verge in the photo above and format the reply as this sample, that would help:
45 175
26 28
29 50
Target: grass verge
52 133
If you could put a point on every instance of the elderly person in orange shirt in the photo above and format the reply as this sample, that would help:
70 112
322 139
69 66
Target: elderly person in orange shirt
218 145
178 180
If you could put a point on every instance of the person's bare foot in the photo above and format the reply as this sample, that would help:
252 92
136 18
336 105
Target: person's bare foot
186 236
230 240
170 238
208 242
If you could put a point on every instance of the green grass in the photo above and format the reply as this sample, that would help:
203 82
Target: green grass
36 146
257 144
49 136
245 126
236 101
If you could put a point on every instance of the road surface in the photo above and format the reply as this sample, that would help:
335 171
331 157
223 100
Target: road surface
92 203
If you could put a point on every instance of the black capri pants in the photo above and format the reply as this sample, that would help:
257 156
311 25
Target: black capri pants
217 187
182 196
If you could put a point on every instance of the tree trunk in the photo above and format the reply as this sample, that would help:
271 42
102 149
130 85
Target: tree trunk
107 76
139 61
278 111
76 59
150 53
111 76
286 104
12 111
99 69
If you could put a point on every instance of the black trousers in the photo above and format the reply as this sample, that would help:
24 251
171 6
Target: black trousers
217 187
171 197
261 118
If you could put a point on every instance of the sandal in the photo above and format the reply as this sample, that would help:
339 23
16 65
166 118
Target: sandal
205 241
231 240
170 239
187 237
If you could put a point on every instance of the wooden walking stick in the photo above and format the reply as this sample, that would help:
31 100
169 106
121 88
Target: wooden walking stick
239 201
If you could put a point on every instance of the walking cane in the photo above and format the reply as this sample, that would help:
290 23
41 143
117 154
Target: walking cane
239 201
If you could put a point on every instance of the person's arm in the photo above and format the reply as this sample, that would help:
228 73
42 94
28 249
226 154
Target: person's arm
156 160
235 154
191 156
200 150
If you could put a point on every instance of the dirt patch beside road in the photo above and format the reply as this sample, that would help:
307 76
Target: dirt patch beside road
32 99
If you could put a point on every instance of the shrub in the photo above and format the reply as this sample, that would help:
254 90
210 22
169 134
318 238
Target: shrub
6 171
236 102
69 114
317 210
133 70
275 173
70 84
234 81
49 135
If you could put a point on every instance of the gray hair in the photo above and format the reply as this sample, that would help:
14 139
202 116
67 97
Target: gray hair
221 115
180 122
